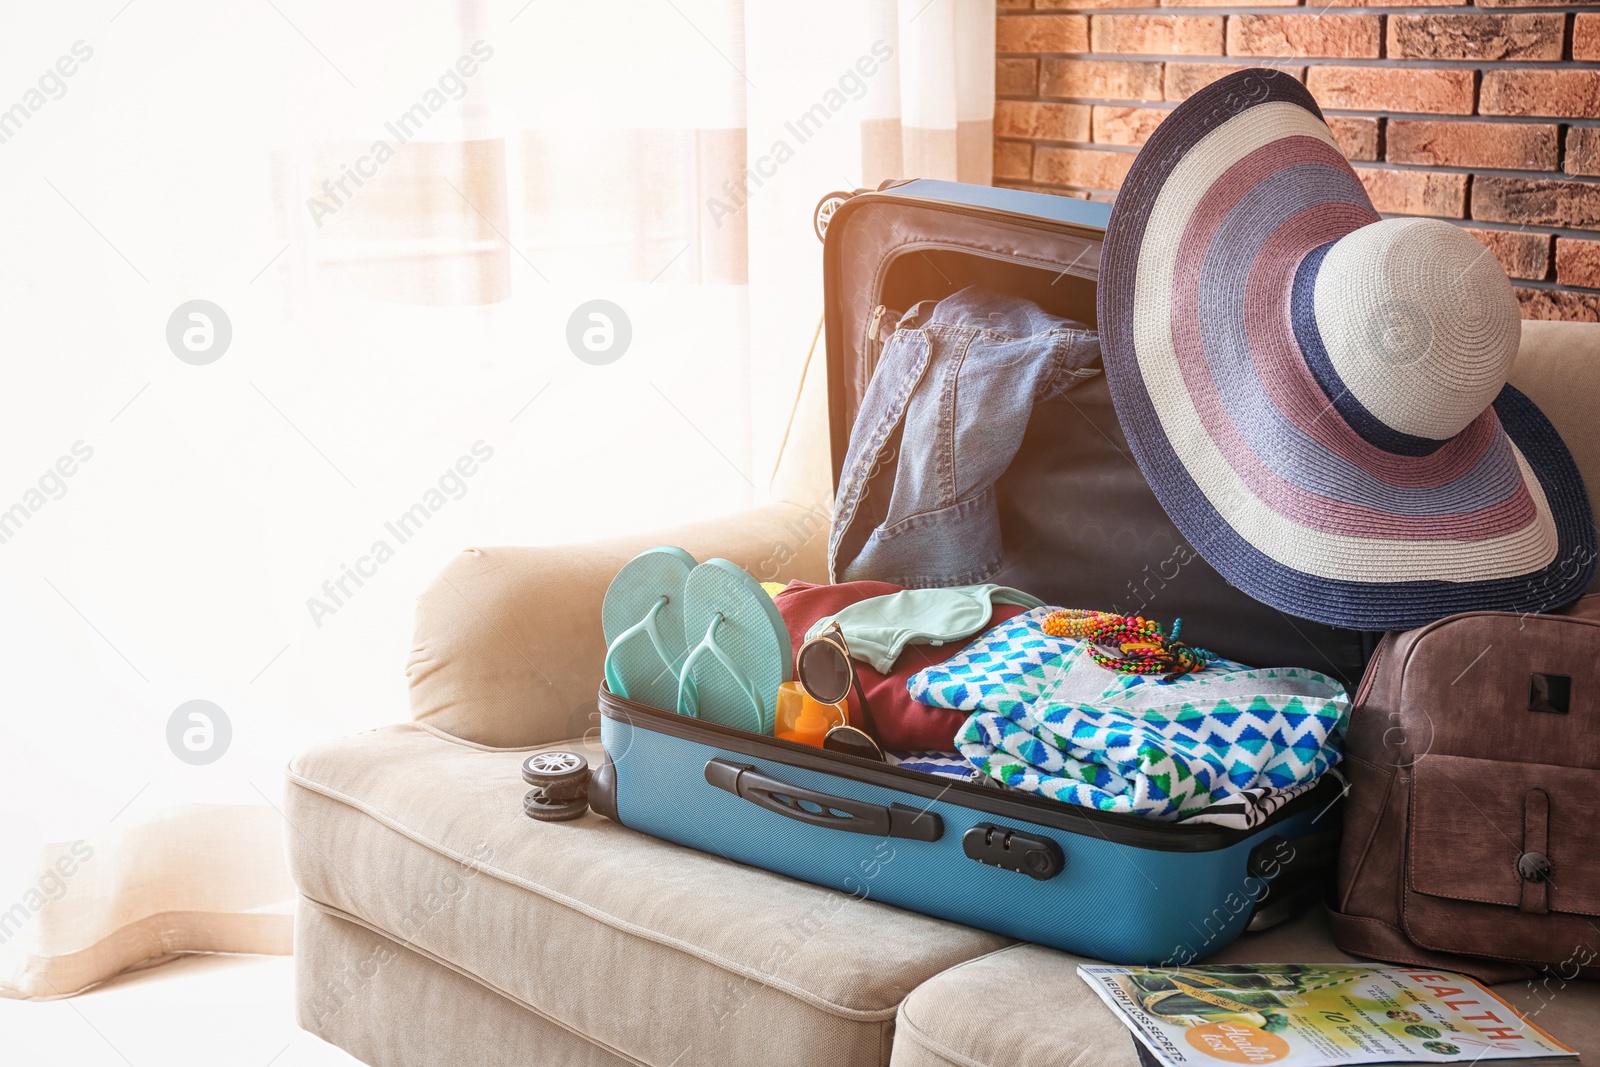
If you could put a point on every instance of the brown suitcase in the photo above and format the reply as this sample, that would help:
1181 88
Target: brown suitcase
1472 823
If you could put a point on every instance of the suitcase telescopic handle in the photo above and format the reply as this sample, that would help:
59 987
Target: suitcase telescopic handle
823 809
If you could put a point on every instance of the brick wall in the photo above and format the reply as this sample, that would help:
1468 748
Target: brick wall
1486 115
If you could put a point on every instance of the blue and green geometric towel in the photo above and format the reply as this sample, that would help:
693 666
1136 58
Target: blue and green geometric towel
1049 720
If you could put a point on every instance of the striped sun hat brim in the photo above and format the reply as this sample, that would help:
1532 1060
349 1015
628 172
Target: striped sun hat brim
1311 471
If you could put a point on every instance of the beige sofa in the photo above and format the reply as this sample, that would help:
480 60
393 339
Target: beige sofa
439 925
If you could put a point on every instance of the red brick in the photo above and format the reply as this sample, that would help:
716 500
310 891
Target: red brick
1586 38
1086 167
1578 262
1447 92
1583 150
1522 254
1415 192
1016 77
1043 122
1536 201
1569 94
1229 3
1524 37
1392 3
1013 159
1357 137
1101 79
1041 33
1186 79
1502 145
1556 304
1157 35
1126 125
1337 36
1534 3
1090 5
1013 5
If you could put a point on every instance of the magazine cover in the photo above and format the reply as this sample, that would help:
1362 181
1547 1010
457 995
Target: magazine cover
1308 1015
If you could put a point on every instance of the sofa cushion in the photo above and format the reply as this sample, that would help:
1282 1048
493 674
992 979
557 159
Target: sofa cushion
360 990
1558 367
1035 1010
661 953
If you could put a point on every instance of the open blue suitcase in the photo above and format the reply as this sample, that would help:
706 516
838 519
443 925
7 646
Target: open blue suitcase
1081 528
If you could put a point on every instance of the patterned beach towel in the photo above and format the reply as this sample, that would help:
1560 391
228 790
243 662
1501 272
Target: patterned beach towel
1047 719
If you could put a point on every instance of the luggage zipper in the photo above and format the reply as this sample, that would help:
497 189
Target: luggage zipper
946 246
871 344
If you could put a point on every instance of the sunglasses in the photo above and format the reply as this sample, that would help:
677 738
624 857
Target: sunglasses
827 674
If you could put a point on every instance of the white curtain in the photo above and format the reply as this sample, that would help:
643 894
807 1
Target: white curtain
566 247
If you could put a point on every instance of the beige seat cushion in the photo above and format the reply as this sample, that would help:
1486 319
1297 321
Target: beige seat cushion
1025 1006
360 988
655 952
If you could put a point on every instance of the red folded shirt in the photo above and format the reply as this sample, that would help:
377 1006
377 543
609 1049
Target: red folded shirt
903 724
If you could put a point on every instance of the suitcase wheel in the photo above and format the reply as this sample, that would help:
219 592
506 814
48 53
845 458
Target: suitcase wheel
825 209
560 783
564 791
560 775
536 805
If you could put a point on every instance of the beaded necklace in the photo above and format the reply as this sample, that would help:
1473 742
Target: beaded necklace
1141 647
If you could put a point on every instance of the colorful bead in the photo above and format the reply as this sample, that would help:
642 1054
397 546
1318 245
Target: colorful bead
1129 644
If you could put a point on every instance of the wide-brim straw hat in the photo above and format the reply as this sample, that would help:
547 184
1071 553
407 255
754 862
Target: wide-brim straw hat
1318 395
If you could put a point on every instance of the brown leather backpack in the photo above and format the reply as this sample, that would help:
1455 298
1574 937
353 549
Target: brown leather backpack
1472 823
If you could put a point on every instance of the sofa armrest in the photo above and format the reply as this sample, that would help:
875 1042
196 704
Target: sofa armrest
509 650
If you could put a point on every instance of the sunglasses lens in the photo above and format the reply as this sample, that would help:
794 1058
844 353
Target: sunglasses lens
824 672
852 742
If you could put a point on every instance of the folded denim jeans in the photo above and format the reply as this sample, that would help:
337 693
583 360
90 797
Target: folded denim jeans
939 423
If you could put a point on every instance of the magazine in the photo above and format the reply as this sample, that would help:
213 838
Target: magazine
1310 1015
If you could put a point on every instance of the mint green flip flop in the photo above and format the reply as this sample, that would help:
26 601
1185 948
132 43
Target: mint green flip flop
739 650
642 616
